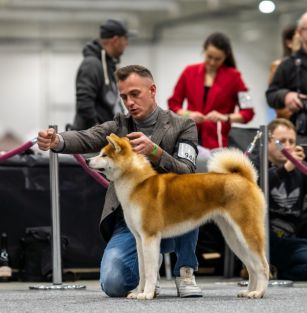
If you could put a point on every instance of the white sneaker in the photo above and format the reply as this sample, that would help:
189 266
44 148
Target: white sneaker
186 284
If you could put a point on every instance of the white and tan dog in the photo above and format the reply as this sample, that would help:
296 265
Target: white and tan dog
156 206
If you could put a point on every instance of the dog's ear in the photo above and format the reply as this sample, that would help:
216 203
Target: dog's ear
114 141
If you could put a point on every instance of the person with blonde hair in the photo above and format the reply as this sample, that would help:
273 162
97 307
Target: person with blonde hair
287 190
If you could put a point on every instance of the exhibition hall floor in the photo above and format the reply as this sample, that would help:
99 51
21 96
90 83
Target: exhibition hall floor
219 296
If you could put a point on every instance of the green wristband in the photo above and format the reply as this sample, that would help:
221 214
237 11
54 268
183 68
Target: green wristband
186 113
154 150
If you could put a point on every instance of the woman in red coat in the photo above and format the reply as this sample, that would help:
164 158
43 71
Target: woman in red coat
213 90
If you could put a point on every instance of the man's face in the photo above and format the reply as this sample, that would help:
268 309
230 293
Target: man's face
287 137
138 94
119 44
302 30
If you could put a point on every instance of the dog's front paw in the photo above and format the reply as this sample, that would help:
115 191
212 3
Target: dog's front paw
251 294
243 294
132 295
146 296
255 294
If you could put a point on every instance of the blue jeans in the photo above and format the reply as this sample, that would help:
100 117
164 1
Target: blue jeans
289 255
119 272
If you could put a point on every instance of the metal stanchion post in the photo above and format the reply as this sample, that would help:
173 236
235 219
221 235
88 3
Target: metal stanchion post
229 262
55 215
264 181
168 266
56 232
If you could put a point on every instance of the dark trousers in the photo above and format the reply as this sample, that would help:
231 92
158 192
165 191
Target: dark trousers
289 255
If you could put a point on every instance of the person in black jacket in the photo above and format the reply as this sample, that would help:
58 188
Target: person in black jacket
97 98
287 190
288 88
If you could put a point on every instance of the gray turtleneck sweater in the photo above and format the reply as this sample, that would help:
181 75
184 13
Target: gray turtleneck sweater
147 125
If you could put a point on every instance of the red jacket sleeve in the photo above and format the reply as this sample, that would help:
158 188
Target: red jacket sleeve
247 114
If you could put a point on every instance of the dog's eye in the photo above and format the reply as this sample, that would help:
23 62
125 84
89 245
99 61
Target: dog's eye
103 155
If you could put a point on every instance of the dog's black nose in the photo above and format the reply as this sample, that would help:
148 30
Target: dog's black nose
87 161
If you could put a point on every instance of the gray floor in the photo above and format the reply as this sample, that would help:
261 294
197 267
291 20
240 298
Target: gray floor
219 296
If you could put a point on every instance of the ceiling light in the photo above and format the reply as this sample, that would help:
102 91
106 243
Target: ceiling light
266 7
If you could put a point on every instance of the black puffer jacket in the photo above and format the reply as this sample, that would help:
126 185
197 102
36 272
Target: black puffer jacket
290 76
95 100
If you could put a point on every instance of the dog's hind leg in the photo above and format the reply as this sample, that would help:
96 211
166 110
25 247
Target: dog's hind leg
258 270
151 253
256 264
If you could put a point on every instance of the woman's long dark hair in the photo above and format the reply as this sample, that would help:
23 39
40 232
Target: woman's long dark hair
221 42
288 35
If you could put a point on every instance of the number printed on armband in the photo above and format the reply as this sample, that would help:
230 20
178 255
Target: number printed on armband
187 151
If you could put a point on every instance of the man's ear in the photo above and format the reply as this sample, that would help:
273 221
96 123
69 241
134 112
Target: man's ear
153 89
114 141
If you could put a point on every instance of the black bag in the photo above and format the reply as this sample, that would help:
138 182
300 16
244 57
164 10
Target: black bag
36 264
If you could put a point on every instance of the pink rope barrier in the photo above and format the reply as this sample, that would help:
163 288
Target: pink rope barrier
100 179
300 165
18 150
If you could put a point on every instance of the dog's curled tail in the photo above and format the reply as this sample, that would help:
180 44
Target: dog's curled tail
231 160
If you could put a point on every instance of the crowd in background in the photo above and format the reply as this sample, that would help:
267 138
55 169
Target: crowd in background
216 96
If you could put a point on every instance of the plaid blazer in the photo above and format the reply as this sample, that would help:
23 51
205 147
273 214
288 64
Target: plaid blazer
169 131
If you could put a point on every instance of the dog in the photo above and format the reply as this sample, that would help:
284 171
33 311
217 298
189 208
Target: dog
157 206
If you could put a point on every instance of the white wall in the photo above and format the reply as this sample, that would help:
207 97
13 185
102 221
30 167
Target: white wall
37 81
20 90
36 88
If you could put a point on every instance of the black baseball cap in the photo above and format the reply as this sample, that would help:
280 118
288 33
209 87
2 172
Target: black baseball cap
113 28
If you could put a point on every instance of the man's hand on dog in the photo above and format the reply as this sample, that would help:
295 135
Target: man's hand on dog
47 139
141 143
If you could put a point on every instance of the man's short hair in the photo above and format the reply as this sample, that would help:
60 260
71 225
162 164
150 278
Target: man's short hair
124 72
277 122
